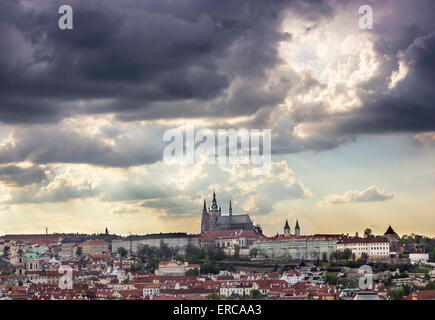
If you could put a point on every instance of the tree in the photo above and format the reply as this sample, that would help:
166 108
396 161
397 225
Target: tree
209 267
122 252
165 251
432 254
253 253
193 254
79 251
145 253
136 267
368 233
213 296
324 257
179 258
330 278
5 251
406 289
347 254
396 294
256 294
192 272
236 252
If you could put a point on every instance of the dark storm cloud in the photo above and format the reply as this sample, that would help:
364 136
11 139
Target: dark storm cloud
56 144
403 34
16 176
133 53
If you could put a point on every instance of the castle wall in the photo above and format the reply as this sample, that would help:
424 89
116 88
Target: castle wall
178 243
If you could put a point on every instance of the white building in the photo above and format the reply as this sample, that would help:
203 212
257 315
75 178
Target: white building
292 277
310 247
236 289
174 268
229 239
151 289
418 257
375 248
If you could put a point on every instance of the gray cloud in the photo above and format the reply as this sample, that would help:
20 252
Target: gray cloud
64 144
370 194
135 54
17 176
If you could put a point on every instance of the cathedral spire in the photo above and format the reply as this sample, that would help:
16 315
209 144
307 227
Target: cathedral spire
286 228
231 210
214 205
297 229
205 206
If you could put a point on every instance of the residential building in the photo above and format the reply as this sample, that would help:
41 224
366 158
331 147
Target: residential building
418 257
174 268
150 289
373 247
236 289
297 247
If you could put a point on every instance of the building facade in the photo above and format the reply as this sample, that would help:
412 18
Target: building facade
227 240
174 268
374 248
213 220
297 247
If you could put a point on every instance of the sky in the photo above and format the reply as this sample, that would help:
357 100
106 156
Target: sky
83 113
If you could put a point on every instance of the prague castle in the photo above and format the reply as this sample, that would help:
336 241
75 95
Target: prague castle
213 220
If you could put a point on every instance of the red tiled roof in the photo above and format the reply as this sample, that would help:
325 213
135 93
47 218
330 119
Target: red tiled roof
421 295
176 262
28 237
239 233
312 237
364 240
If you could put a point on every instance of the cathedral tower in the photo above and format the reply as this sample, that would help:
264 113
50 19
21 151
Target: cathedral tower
297 229
286 228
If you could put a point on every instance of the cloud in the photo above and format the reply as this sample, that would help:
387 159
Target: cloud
169 190
101 143
134 55
16 176
371 194
426 139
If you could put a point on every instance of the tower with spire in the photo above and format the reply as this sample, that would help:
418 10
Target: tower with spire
210 217
297 229
286 228
213 220
204 218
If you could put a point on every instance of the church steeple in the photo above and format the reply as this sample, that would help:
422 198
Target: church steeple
214 205
297 229
205 207
231 210
286 228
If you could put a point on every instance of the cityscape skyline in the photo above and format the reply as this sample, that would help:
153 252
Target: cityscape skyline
84 112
